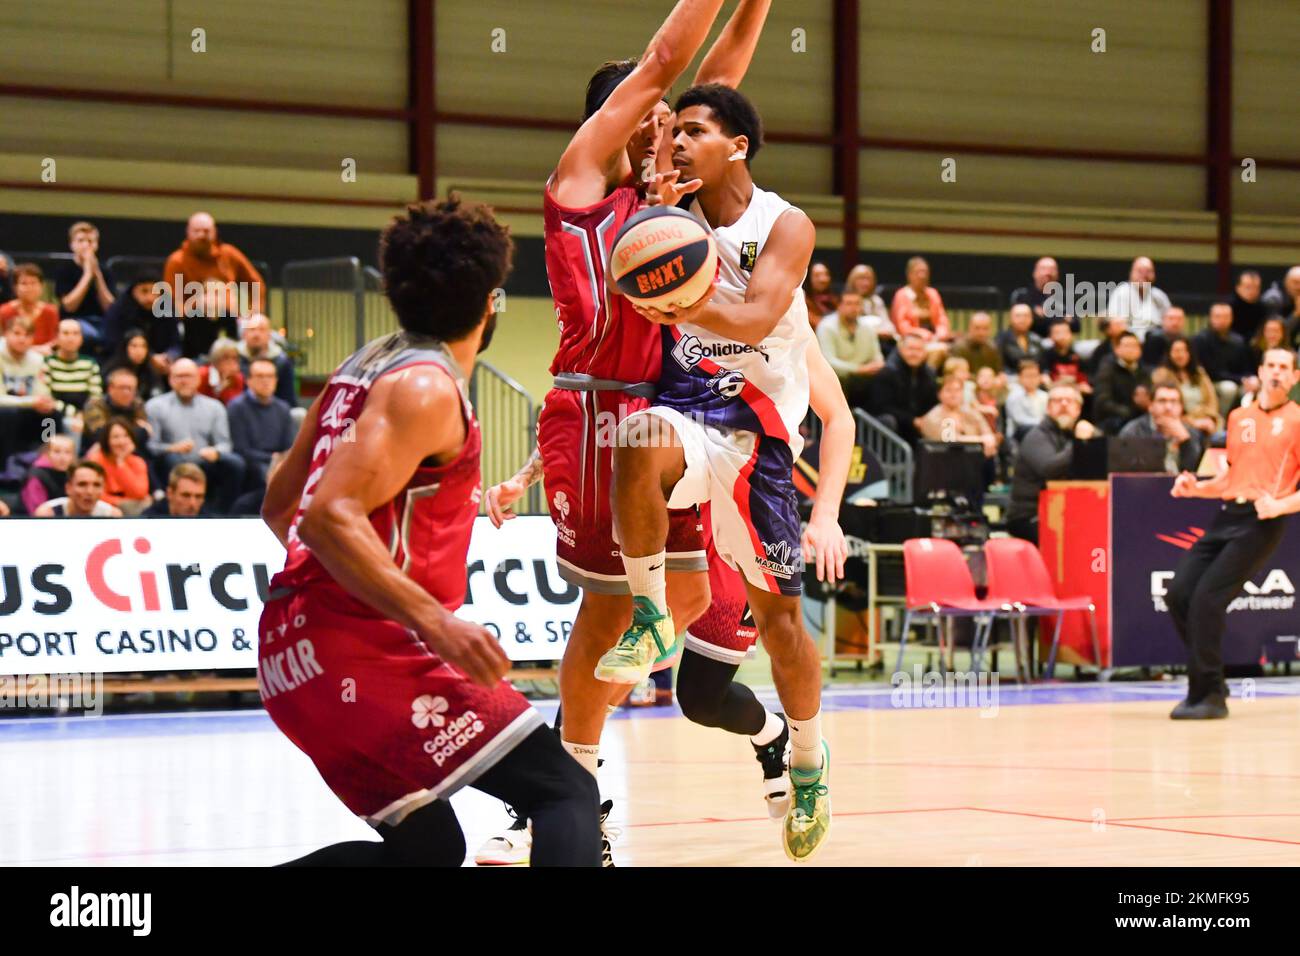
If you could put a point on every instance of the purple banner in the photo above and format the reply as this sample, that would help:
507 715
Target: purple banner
1150 533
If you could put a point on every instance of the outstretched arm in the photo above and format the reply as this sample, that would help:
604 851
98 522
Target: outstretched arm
284 484
824 538
593 155
728 59
501 497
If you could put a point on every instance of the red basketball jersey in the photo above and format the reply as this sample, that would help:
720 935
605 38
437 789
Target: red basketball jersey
427 526
600 333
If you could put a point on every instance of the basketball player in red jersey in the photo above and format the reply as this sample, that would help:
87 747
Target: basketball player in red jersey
360 661
609 356
1256 490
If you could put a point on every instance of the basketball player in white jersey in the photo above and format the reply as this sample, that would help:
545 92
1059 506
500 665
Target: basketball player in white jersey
724 428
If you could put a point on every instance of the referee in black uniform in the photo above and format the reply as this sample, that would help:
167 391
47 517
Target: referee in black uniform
1256 490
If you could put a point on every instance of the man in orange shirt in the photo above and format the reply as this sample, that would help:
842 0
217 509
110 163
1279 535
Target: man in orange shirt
210 284
1256 490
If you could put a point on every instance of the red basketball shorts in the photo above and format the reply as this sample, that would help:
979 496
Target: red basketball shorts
576 436
389 725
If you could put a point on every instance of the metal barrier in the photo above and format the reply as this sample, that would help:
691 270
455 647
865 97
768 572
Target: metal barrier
332 307
325 311
894 454
508 418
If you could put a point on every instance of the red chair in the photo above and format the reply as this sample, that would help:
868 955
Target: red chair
939 585
1018 577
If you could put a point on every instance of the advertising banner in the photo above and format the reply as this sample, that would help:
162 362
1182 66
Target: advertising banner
132 595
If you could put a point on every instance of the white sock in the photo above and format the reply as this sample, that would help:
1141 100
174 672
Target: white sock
806 742
586 754
645 578
771 730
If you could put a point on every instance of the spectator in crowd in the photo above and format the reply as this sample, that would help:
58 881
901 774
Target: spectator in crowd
1061 363
84 291
126 474
48 477
977 347
133 313
1111 330
1198 401
1284 299
1138 300
1026 400
1018 342
73 378
817 292
1156 344
256 343
1036 296
952 419
862 280
29 286
918 308
959 369
261 431
1248 312
1184 443
1225 357
25 401
133 355
1122 391
232 287
221 378
1045 455
1272 334
83 495
187 490
905 389
990 395
189 427
121 399
851 348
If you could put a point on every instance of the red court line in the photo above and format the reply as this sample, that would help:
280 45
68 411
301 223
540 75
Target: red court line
1138 826
1206 816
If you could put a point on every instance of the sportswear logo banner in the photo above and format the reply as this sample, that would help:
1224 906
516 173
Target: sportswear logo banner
1151 533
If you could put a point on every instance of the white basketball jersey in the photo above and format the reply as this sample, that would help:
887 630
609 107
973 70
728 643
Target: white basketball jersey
723 382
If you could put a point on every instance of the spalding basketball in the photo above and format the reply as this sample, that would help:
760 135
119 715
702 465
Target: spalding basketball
663 258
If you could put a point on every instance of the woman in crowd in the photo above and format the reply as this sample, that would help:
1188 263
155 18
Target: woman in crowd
49 473
918 307
862 280
817 292
126 475
221 378
1180 369
1271 335
133 354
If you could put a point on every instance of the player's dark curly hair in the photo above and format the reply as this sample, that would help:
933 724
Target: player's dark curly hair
731 108
440 263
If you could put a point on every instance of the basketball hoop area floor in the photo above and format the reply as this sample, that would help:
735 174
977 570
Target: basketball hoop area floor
1065 774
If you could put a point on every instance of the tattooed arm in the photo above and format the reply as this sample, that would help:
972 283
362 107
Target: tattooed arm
501 497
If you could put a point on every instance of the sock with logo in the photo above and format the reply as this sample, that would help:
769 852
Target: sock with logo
645 578
586 754
806 742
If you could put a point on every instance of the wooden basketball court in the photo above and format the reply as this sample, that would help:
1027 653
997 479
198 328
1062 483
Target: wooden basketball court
1059 775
